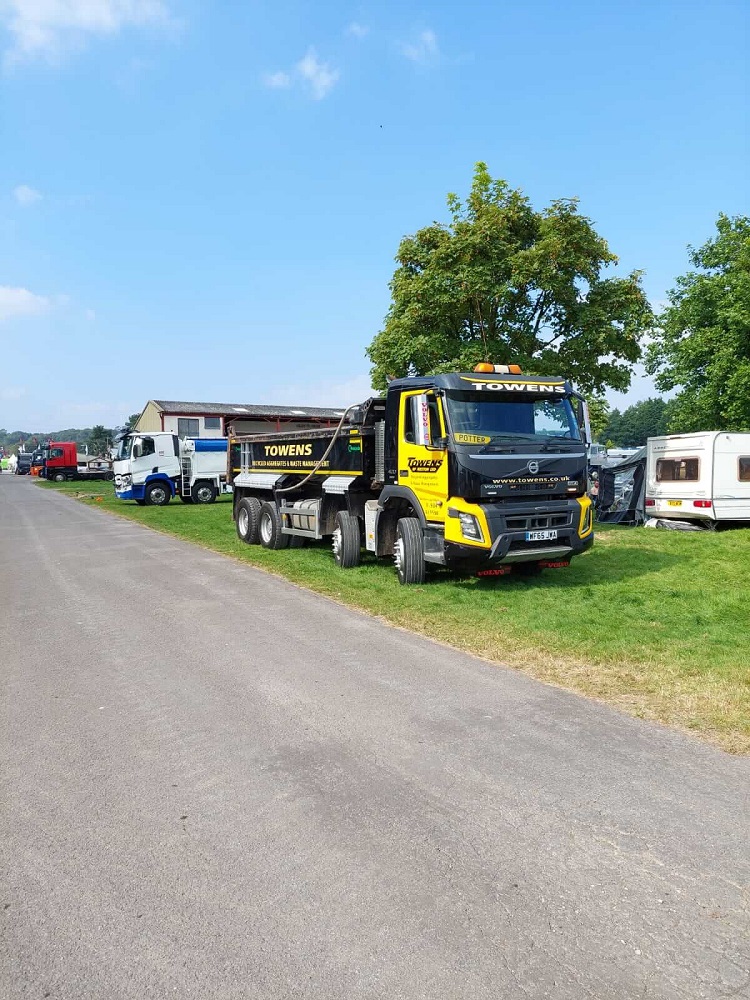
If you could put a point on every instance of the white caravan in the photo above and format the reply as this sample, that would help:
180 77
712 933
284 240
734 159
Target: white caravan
703 476
153 468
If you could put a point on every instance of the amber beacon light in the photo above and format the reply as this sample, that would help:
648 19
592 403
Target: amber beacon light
485 366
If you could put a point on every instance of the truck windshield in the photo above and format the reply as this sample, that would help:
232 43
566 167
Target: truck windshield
501 417
123 448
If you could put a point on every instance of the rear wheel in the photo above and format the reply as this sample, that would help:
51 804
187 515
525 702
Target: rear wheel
248 520
407 551
108 477
203 493
270 528
347 546
157 495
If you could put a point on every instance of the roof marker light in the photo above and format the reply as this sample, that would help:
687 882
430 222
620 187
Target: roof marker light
485 366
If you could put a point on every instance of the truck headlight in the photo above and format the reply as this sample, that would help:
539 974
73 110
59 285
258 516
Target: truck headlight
587 520
470 527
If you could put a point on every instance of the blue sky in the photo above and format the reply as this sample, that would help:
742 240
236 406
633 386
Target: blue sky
202 200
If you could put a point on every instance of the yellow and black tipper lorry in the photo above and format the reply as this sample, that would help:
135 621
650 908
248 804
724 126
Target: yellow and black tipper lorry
483 472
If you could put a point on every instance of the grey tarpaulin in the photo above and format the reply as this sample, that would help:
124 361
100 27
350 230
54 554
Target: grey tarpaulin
622 491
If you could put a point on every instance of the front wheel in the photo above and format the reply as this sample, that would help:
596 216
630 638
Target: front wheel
407 551
58 477
203 493
157 495
269 528
347 547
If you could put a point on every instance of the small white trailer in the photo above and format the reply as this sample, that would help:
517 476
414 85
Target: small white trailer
704 476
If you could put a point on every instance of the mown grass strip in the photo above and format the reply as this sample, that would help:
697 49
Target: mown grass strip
653 622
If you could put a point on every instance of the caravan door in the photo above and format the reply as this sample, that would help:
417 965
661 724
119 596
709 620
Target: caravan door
731 488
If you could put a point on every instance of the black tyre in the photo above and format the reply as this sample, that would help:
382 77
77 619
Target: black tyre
296 541
141 503
248 520
347 546
407 551
185 499
108 477
157 495
58 477
269 528
203 492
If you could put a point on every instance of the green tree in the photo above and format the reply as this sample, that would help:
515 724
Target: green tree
99 440
132 420
599 416
639 422
504 283
702 344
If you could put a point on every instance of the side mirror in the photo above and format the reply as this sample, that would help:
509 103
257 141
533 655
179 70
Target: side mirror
137 451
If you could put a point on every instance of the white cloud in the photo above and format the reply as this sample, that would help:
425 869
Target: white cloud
423 49
48 27
12 392
357 30
26 195
20 302
317 75
277 81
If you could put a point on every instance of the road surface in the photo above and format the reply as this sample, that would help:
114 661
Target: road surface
218 785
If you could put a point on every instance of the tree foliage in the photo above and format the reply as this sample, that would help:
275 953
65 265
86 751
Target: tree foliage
504 283
702 345
99 440
633 427
599 416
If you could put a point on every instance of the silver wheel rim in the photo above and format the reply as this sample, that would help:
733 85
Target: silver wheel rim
398 555
265 528
336 544
204 494
158 496
244 520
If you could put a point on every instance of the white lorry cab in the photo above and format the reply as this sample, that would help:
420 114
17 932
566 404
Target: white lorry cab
153 468
704 476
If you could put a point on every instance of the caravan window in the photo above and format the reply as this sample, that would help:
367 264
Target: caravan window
678 470
743 469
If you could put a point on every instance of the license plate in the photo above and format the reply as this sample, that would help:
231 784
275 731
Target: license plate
674 503
541 536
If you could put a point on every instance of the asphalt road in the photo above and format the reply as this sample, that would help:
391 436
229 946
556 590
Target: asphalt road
217 785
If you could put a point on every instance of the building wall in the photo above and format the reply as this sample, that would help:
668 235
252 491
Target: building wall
150 419
172 424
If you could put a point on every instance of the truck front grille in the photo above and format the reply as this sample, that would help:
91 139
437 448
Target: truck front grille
537 522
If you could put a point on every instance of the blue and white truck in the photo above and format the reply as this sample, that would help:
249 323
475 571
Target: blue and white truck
151 468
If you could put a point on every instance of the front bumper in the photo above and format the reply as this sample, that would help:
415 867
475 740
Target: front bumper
507 525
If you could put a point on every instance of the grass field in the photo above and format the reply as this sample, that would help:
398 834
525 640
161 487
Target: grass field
656 623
